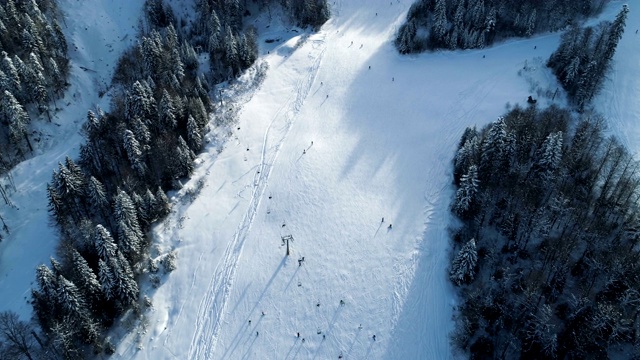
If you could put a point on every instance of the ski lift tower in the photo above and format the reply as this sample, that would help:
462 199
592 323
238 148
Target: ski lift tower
286 239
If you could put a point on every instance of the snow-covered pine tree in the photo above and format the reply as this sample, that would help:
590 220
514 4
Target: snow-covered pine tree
18 120
183 163
107 280
163 205
36 84
406 38
9 68
151 50
194 134
67 184
148 211
175 65
55 205
615 32
126 288
550 155
70 298
493 149
134 154
97 194
139 102
130 235
167 112
231 58
44 297
466 156
467 192
463 267
105 246
86 280
439 27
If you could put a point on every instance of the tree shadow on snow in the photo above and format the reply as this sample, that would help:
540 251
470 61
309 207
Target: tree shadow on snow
243 330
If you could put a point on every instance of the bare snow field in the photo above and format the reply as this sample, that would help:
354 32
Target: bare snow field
342 133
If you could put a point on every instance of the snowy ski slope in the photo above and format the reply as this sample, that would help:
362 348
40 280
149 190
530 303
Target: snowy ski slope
323 150
383 139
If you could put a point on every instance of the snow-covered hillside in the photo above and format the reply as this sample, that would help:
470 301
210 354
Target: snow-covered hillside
342 133
97 32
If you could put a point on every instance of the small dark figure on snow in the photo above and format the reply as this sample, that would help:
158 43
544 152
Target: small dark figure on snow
340 356
369 67
341 302
323 336
311 142
298 334
374 337
390 227
393 79
249 322
263 313
535 47
302 339
382 220
256 333
360 327
531 100
318 305
304 151
299 262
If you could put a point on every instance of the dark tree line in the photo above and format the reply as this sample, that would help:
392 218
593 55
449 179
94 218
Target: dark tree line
33 72
549 252
584 56
231 47
468 24
104 203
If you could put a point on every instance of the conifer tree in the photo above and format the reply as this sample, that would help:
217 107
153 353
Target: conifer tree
86 279
163 206
130 235
132 148
466 194
463 266
167 112
193 134
105 247
18 121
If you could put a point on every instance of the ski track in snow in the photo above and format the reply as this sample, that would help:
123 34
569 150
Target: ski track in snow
212 307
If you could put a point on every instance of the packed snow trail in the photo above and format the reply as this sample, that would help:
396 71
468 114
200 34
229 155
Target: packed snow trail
343 132
212 308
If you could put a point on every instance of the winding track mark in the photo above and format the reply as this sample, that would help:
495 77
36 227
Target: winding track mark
213 305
